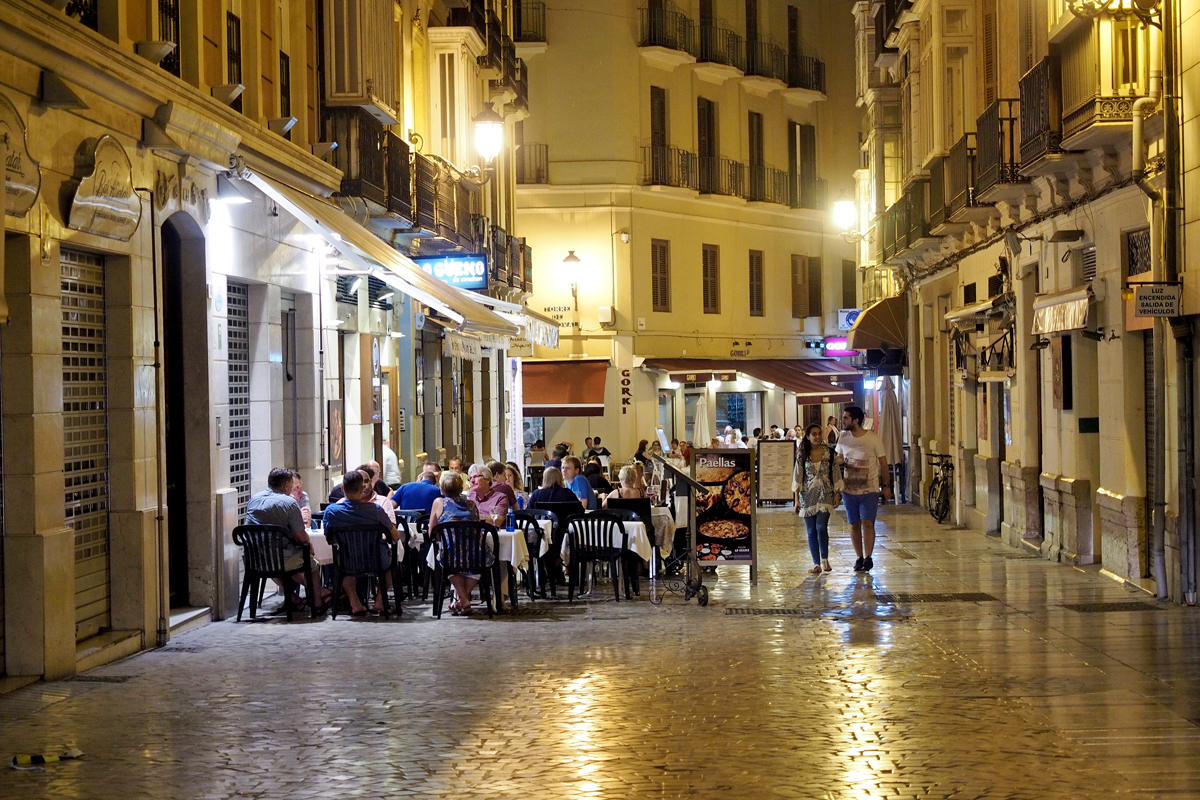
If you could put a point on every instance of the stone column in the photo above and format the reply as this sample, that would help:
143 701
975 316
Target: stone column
39 550
1077 546
1052 523
1022 504
1123 531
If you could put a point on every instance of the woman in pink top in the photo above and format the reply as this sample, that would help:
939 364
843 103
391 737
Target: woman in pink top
491 502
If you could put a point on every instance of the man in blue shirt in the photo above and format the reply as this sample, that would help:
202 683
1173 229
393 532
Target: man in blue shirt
572 471
352 510
420 494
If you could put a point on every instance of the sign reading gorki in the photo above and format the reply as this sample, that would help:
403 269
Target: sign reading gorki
465 272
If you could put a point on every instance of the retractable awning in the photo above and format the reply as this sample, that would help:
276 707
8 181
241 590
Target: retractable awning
536 328
1062 311
563 388
883 325
369 253
971 312
789 374
829 368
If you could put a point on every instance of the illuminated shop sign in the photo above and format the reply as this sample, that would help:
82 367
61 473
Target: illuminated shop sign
837 345
465 272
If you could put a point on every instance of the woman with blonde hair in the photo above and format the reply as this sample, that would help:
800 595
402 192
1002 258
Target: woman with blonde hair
631 485
451 506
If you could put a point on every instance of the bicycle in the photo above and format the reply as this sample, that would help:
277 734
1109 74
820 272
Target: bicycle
942 489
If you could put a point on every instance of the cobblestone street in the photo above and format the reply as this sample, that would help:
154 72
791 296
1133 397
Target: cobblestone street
799 687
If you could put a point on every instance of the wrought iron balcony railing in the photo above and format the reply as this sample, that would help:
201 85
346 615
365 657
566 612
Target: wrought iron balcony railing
472 15
399 172
1041 111
722 176
516 252
533 163
720 45
807 192
498 254
527 266
361 154
491 63
767 185
806 72
996 151
663 25
670 166
937 192
766 60
425 178
904 223
961 169
529 21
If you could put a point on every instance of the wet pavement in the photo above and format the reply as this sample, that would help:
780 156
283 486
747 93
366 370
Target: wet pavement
837 686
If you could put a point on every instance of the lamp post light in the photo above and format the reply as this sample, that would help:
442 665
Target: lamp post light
572 261
489 134
845 214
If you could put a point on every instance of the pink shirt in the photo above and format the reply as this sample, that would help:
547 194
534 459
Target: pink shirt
494 502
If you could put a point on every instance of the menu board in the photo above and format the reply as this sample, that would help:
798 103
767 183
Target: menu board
725 516
776 460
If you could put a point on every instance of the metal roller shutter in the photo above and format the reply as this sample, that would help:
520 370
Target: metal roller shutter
1151 487
85 435
238 297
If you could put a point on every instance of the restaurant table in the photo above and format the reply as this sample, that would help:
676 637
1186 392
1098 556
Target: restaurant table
513 552
639 542
323 551
664 527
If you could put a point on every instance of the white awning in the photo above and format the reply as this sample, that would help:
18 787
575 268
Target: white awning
1062 311
537 329
972 311
371 254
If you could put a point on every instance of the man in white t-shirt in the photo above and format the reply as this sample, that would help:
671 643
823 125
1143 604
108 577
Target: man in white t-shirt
863 460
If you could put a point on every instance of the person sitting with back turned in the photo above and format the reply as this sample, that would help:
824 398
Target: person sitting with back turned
354 510
420 494
630 487
276 506
560 452
594 472
553 490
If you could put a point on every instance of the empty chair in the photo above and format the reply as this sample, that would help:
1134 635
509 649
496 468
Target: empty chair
363 551
413 567
633 563
552 565
265 552
460 547
530 523
593 539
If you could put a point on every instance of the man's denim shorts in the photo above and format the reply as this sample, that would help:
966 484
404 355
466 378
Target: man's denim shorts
861 506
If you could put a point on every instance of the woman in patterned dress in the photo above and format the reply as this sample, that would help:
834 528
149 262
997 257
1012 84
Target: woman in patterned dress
813 488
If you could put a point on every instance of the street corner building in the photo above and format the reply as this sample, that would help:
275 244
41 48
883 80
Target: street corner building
1023 207
239 236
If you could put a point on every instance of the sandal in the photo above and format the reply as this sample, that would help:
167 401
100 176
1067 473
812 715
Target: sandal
825 565
816 570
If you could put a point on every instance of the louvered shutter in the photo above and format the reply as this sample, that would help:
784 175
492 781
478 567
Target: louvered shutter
814 286
660 274
756 283
799 287
989 52
658 116
711 279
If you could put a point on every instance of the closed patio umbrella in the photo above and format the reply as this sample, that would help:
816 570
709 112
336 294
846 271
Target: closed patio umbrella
888 423
702 429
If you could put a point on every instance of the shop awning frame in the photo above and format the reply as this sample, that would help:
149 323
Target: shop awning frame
372 255
972 312
1061 312
883 325
788 374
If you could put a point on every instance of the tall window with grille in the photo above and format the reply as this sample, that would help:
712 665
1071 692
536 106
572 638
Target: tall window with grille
233 54
660 274
756 283
802 165
711 278
799 287
238 365
285 88
168 31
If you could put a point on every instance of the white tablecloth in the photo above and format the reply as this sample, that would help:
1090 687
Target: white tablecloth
639 542
664 527
323 551
513 550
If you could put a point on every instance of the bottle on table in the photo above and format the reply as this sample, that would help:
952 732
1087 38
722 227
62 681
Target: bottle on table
510 523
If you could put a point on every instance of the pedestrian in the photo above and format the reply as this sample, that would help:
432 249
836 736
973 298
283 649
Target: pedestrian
863 460
813 487
831 431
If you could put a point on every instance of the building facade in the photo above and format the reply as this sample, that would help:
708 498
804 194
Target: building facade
675 184
1018 158
233 242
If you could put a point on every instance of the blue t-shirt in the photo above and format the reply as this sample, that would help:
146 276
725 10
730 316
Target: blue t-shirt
355 512
416 495
583 490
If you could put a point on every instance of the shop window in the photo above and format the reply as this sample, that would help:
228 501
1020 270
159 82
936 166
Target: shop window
739 410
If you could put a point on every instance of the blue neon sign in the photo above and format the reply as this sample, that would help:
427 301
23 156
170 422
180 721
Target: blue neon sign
465 272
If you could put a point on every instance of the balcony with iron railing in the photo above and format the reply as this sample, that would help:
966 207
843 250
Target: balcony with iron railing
722 176
533 163
361 154
961 176
529 21
670 166
904 226
807 192
491 63
527 267
444 204
520 86
806 72
767 185
893 16
765 59
425 178
722 45
471 15
516 251
498 255
399 177
884 55
937 195
663 25
997 160
1041 115
1098 94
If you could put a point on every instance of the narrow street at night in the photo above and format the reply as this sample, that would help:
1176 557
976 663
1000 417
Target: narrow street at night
801 686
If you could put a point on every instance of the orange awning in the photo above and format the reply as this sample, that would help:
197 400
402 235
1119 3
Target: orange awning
563 388
790 374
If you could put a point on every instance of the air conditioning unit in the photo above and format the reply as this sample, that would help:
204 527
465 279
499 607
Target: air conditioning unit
360 56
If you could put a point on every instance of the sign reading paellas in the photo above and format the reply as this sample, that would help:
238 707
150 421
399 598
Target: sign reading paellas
465 272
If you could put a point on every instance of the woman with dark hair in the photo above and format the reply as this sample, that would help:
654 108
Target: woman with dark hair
815 496
640 455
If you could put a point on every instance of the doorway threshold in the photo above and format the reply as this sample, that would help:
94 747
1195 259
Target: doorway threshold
106 647
186 619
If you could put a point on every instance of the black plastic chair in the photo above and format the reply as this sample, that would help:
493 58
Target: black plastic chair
529 522
363 551
423 523
413 567
460 546
265 549
633 562
591 542
563 512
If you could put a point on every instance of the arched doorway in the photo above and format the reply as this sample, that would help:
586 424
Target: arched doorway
192 571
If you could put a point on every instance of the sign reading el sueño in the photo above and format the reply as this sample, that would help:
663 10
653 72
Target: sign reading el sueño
465 272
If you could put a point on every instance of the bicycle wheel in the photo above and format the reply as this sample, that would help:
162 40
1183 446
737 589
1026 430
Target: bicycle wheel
942 510
931 499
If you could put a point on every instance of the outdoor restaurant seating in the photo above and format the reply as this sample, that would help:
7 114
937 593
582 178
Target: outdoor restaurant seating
633 565
264 555
563 512
529 522
364 551
461 547
413 567
593 540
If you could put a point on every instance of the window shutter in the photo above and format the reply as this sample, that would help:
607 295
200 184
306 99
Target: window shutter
756 283
712 279
658 116
794 163
799 287
849 284
808 152
706 138
814 286
989 52
660 274
1027 36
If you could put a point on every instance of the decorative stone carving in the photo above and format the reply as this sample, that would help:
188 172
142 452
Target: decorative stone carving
23 175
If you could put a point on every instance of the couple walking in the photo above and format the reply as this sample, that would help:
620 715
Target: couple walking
860 456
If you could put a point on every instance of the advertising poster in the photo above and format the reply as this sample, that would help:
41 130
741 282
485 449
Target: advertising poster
725 516
776 461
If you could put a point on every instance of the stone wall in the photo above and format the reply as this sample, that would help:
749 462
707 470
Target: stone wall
1123 534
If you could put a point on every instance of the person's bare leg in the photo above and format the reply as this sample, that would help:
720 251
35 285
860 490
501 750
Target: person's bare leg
868 538
387 587
462 591
856 538
350 587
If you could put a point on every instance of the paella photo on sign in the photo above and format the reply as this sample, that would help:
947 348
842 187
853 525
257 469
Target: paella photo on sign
724 516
